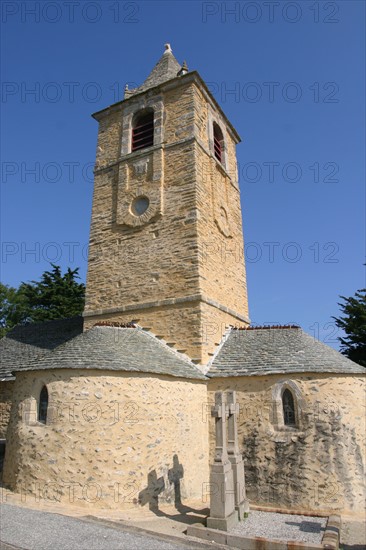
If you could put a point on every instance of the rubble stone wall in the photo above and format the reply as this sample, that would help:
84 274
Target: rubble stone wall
111 439
6 396
319 464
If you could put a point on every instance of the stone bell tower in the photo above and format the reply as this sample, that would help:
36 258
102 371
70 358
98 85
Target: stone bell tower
166 241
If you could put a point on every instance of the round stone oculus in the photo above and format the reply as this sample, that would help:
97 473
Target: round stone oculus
139 205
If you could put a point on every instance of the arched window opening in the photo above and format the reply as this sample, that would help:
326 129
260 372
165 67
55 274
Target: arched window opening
289 418
43 406
218 142
143 130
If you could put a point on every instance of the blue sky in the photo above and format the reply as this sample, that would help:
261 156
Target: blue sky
289 75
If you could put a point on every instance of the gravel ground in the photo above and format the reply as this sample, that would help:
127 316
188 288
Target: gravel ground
34 530
282 527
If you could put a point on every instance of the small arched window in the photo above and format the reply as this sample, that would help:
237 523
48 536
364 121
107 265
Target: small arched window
218 142
288 405
143 130
43 405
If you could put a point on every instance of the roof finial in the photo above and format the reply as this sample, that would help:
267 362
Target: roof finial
168 48
183 70
127 92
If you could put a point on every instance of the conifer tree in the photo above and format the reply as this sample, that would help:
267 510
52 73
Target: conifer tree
55 296
353 322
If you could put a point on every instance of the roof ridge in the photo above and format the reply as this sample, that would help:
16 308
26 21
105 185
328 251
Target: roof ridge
115 324
268 327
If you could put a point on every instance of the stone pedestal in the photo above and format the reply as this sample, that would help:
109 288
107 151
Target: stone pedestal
241 502
223 514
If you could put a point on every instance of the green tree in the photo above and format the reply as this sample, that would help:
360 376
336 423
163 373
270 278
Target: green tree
55 296
353 323
12 308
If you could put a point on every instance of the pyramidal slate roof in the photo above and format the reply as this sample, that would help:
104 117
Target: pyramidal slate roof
27 341
276 350
166 68
116 349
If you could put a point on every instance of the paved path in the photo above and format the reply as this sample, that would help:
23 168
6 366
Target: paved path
33 530
28 529
353 534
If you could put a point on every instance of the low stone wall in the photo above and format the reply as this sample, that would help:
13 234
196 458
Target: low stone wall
111 439
317 465
6 396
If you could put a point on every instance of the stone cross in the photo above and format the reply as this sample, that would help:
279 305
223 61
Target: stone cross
223 514
235 457
233 412
219 412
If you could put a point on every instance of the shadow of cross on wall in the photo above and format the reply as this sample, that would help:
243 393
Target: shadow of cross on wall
151 493
156 486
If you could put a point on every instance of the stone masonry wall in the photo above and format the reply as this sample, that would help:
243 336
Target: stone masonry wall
220 232
111 440
6 396
158 267
319 466
143 267
150 263
214 325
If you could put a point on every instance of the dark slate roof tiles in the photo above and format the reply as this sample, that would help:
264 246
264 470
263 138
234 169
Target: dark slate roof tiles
166 69
116 349
275 351
27 341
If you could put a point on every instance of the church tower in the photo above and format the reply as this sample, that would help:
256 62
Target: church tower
166 242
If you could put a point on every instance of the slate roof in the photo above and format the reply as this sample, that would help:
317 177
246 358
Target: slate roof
116 349
63 344
25 342
166 68
254 352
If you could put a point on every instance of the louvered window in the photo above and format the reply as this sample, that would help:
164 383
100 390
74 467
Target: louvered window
143 131
218 142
